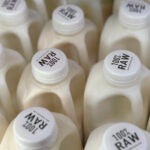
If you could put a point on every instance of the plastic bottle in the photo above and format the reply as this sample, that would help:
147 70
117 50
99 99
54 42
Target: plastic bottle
69 31
54 82
11 67
38 129
120 136
117 90
19 27
128 30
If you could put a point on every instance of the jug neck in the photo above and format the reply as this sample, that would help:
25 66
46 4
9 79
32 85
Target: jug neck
68 19
134 14
124 136
35 128
122 68
13 12
50 66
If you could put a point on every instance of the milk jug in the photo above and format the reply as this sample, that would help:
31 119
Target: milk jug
3 125
69 31
128 30
38 129
11 67
19 27
120 136
54 82
44 7
117 90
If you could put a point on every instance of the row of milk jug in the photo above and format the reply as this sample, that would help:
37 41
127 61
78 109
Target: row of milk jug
117 90
56 59
129 29
39 129
52 81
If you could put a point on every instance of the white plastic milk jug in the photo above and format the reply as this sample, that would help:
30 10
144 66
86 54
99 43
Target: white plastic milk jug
120 136
54 82
11 67
38 129
69 31
128 30
117 90
19 27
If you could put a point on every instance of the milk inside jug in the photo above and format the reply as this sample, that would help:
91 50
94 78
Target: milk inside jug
54 82
76 36
19 27
120 136
11 67
39 129
117 90
128 30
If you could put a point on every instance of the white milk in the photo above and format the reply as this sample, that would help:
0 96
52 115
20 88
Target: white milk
117 90
73 34
54 82
120 136
128 30
19 27
3 125
11 67
38 129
